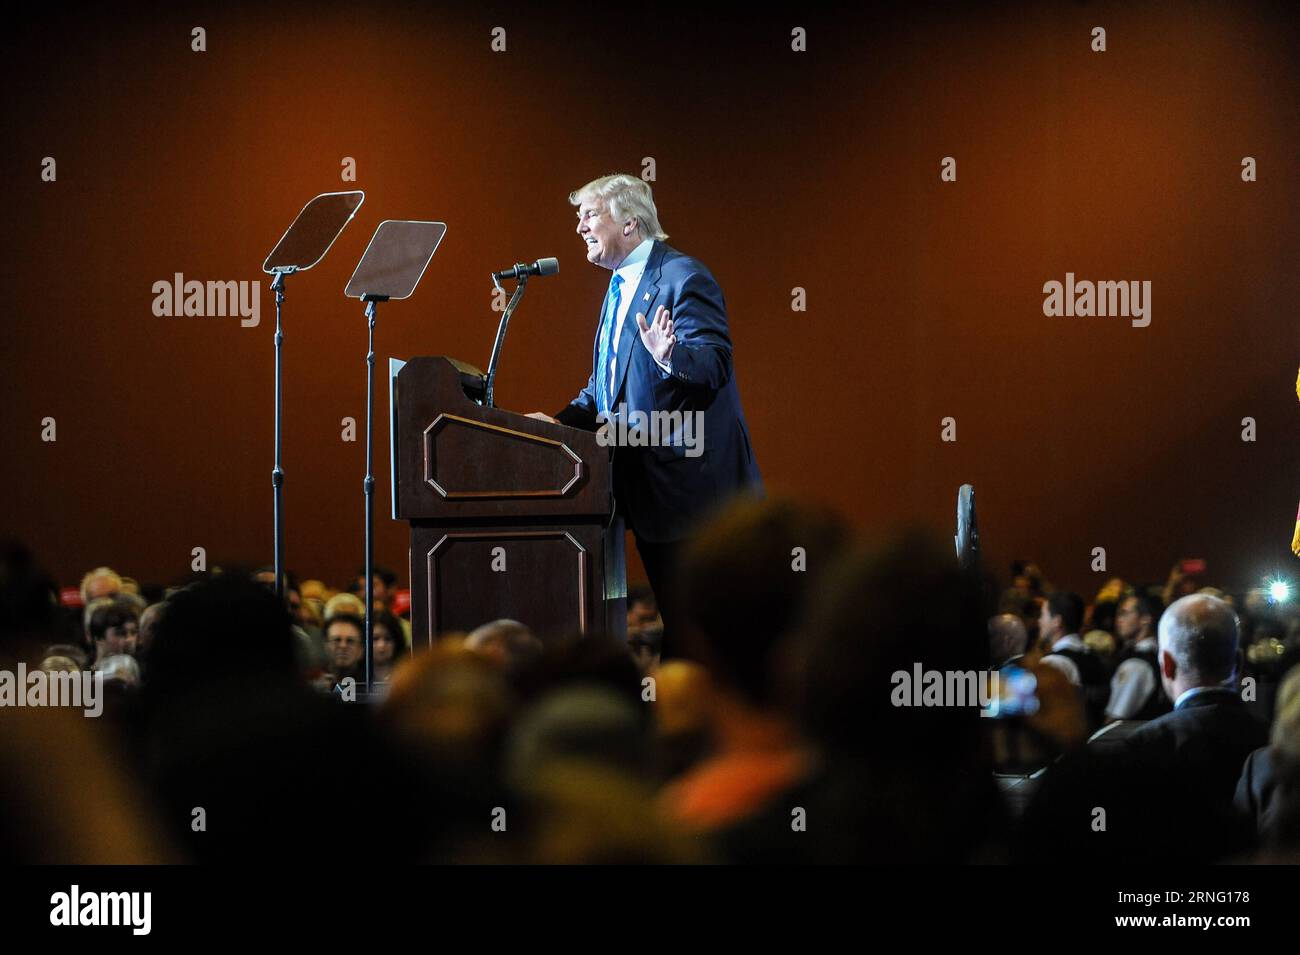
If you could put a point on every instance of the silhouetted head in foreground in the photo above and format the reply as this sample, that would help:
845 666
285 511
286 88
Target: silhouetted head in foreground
228 631
902 782
28 608
744 581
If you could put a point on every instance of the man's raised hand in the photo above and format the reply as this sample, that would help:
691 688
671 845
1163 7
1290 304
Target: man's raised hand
658 336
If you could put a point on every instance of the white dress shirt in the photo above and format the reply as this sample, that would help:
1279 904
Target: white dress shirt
1070 641
630 271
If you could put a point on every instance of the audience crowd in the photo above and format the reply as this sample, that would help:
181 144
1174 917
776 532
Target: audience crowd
1150 723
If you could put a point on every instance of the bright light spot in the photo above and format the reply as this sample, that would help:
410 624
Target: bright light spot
1279 591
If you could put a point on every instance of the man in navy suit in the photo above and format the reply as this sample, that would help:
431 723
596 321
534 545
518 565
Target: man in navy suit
1166 788
1193 756
673 370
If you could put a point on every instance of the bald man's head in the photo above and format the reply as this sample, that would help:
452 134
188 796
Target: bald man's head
1007 638
1198 644
507 640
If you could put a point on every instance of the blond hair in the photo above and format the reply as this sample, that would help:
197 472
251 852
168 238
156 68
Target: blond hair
626 197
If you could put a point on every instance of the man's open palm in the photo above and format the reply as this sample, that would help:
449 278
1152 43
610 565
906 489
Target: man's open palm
658 336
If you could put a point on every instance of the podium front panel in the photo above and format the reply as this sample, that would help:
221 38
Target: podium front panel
552 579
462 460
459 462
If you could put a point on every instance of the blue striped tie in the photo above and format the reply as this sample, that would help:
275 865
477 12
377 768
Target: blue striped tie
603 384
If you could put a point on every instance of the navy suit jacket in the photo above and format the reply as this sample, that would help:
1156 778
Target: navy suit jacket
1202 743
1184 771
661 491
1167 790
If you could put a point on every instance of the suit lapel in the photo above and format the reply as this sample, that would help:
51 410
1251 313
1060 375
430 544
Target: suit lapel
642 301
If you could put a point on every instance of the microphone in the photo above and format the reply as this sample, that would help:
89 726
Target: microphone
540 267
520 272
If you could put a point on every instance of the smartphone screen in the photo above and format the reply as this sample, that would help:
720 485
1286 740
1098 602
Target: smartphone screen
1016 694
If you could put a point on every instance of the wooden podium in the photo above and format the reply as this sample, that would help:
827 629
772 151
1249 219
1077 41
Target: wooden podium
510 516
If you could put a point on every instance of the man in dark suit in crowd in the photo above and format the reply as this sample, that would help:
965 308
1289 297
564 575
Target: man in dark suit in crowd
1209 733
1188 761
1164 793
674 368
1196 752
